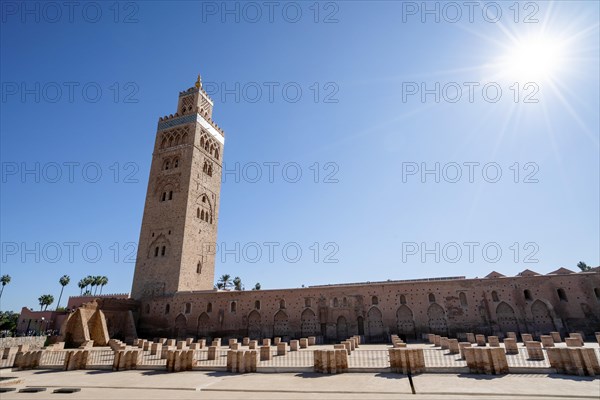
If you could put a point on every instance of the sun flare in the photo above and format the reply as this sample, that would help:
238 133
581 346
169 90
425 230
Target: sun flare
533 59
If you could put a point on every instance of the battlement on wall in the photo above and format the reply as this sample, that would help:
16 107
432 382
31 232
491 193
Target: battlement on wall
172 117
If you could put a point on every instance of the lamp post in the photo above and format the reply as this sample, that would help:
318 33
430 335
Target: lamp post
42 325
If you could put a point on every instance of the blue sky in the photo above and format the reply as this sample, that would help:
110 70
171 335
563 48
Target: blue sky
357 121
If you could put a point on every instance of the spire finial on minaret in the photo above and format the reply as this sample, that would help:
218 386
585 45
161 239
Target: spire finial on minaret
199 82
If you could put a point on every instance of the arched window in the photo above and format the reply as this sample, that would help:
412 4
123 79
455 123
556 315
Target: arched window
176 163
199 268
402 299
209 307
198 213
561 294
167 308
233 306
431 298
188 308
156 252
527 294
335 302
204 198
495 297
167 164
463 299
164 196
163 250
217 153
597 293
257 304
171 195
202 215
281 303
163 144
344 302
374 300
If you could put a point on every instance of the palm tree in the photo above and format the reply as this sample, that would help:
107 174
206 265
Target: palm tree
89 281
583 266
45 300
5 279
225 281
103 281
81 285
237 284
257 286
64 281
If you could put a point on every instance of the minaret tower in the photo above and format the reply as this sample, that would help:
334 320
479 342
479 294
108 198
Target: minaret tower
179 226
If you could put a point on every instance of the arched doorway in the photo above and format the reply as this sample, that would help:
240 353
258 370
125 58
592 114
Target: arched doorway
541 317
437 320
254 328
341 328
280 324
406 323
203 325
375 325
506 318
180 327
360 321
309 325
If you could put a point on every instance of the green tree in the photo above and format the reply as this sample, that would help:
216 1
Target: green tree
5 279
237 283
8 321
88 282
103 282
45 300
64 281
225 281
583 266
256 286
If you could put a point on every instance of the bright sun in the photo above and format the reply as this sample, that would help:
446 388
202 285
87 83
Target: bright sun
533 59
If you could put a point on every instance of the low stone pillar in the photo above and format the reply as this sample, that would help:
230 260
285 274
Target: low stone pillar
431 338
534 350
547 341
171 342
76 360
347 346
471 338
437 339
358 341
511 335
216 342
266 342
444 343
232 341
194 346
281 349
189 341
461 347
156 349
251 360
486 360
253 344
580 361
453 346
493 341
573 342
352 344
405 361
165 349
526 337
276 341
578 336
480 340
597 337
510 346
265 353
231 360
234 346
245 341
202 343
339 346
181 345
330 361
312 340
163 341
294 345
147 345
303 343
212 352
556 337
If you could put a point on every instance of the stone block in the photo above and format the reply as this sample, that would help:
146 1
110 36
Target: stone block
276 341
510 346
547 341
431 338
202 343
234 346
266 342
573 342
512 335
250 360
578 336
281 349
597 337
265 353
294 345
493 341
461 347
444 343
245 341
253 344
194 346
212 353
556 337
534 350
189 341
181 345
216 342
453 347
471 338
437 340
480 340
232 341
156 349
405 361
303 343
171 342
312 340
580 361
486 360
526 337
